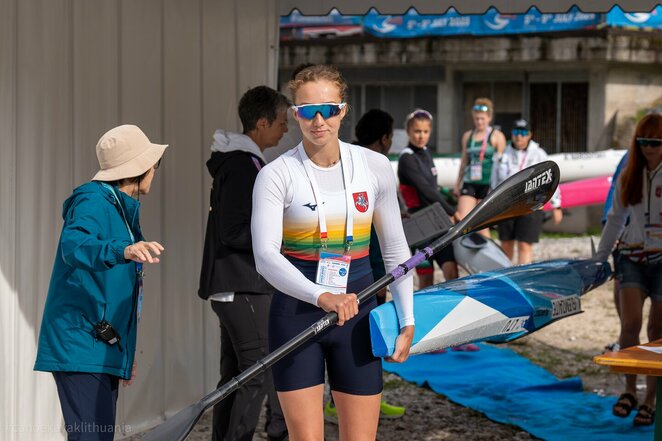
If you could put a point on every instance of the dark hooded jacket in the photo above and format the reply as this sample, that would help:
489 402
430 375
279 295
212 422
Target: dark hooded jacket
227 262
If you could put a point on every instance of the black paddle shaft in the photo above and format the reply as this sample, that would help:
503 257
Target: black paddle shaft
518 195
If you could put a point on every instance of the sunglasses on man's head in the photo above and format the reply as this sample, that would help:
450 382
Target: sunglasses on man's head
520 132
649 142
327 110
480 108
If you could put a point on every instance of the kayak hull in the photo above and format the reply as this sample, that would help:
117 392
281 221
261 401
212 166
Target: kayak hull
496 306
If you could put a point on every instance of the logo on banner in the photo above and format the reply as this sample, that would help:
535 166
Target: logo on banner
638 17
361 201
658 191
498 22
389 24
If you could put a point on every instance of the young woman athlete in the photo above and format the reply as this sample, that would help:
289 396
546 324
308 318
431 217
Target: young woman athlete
479 147
312 212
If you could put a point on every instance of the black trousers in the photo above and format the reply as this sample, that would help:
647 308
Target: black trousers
244 323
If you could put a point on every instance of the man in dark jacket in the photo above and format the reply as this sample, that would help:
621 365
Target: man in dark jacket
238 294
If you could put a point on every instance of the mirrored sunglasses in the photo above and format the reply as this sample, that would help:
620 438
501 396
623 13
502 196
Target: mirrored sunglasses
649 142
327 110
520 132
158 164
480 108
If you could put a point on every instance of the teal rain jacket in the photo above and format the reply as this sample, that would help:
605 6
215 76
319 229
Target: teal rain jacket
92 281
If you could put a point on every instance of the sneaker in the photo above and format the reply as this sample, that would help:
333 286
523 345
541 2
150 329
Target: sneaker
330 412
470 347
389 411
385 411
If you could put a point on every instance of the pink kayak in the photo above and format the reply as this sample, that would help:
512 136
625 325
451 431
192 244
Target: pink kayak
583 192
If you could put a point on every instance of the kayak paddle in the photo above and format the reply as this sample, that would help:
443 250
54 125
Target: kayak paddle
520 194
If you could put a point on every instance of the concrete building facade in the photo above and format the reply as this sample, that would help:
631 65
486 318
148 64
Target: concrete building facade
582 90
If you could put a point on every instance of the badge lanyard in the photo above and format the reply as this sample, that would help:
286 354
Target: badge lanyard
652 232
321 215
139 265
521 164
484 144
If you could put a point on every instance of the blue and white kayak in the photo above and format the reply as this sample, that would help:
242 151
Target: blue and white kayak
496 306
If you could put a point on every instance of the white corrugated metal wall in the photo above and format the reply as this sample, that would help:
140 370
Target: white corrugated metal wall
69 70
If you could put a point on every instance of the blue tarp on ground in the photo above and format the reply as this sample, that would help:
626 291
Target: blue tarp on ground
510 389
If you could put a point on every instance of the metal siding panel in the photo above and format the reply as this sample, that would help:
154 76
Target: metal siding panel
140 29
95 80
254 24
272 42
219 109
219 74
228 34
79 69
44 180
183 205
9 307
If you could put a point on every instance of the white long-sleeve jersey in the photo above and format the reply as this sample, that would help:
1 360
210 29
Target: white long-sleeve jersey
284 221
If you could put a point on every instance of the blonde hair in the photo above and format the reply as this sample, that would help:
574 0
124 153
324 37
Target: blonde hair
483 102
318 72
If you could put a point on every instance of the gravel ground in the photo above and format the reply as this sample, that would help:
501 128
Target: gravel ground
565 348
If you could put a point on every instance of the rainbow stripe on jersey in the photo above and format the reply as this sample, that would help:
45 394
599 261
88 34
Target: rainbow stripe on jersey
301 231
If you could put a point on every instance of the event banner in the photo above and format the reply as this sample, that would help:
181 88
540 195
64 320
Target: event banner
412 24
334 18
490 23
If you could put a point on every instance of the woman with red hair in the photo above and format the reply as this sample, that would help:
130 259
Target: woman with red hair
638 195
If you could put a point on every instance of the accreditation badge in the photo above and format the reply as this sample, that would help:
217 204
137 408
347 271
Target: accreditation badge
653 238
476 172
333 272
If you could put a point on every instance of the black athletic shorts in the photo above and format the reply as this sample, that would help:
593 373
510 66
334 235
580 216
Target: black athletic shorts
523 229
346 349
478 191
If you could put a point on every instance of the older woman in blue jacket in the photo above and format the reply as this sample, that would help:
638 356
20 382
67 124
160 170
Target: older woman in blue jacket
88 331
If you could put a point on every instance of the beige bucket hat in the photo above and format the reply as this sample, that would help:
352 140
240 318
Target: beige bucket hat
126 152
